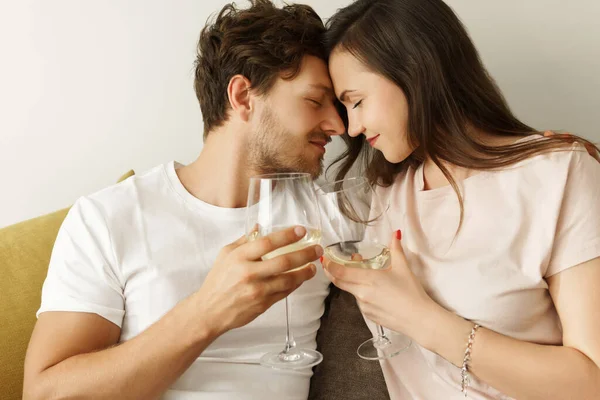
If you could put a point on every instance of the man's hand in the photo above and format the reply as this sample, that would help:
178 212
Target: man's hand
72 354
241 286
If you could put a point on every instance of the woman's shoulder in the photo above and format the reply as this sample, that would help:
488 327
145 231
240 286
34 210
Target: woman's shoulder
565 158
565 172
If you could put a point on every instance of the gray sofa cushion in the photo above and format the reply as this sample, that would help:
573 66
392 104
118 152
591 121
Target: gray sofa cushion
343 374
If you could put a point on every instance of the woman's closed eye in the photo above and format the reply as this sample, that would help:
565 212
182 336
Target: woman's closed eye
356 104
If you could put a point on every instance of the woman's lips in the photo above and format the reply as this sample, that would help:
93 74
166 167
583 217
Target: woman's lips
373 140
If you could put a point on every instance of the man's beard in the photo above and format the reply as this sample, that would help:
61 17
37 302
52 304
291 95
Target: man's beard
273 149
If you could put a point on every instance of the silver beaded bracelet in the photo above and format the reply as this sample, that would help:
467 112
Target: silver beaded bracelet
464 373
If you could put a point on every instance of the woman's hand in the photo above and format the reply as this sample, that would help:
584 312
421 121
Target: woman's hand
392 297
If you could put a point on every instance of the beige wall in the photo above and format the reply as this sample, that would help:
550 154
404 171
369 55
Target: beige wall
90 89
544 55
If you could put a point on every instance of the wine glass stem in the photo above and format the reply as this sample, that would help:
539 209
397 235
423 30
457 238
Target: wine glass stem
382 340
380 332
289 337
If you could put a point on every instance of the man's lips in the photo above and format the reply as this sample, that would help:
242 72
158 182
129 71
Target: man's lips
373 140
319 143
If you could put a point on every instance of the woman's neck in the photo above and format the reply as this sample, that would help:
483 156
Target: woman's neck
433 176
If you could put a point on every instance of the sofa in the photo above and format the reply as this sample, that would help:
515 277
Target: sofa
25 250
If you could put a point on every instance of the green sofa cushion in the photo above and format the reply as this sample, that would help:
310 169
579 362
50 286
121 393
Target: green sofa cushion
25 250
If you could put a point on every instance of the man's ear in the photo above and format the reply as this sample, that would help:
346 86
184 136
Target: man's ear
239 94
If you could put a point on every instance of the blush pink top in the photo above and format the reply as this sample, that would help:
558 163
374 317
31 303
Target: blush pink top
521 225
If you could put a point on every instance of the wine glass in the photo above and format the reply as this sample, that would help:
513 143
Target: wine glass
356 214
276 202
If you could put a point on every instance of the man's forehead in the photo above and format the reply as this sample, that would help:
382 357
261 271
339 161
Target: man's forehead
325 87
314 73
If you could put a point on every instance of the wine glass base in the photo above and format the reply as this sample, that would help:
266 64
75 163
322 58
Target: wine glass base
380 349
293 359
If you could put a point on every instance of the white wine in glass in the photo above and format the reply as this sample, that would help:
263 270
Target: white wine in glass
359 254
313 236
276 202
360 221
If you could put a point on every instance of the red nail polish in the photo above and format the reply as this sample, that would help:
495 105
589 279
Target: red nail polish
399 234
321 259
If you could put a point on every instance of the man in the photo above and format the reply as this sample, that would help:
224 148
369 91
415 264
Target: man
144 296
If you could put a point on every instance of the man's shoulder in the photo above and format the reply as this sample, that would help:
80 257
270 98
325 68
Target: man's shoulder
125 196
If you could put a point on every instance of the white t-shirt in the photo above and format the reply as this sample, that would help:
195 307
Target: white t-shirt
521 226
130 252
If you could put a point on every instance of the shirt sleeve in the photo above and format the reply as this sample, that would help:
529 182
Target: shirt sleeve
577 237
82 275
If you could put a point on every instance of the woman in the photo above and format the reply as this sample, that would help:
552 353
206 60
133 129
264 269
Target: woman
500 239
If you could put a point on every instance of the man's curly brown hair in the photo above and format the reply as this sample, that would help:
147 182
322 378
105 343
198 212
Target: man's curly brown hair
262 42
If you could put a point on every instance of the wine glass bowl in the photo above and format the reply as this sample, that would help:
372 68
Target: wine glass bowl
359 218
276 202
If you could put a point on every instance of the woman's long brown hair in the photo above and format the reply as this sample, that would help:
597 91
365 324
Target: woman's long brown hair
422 47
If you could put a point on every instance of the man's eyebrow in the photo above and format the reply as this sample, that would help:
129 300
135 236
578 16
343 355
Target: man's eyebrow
326 88
344 93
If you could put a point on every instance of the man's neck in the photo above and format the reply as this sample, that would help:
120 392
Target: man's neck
220 174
